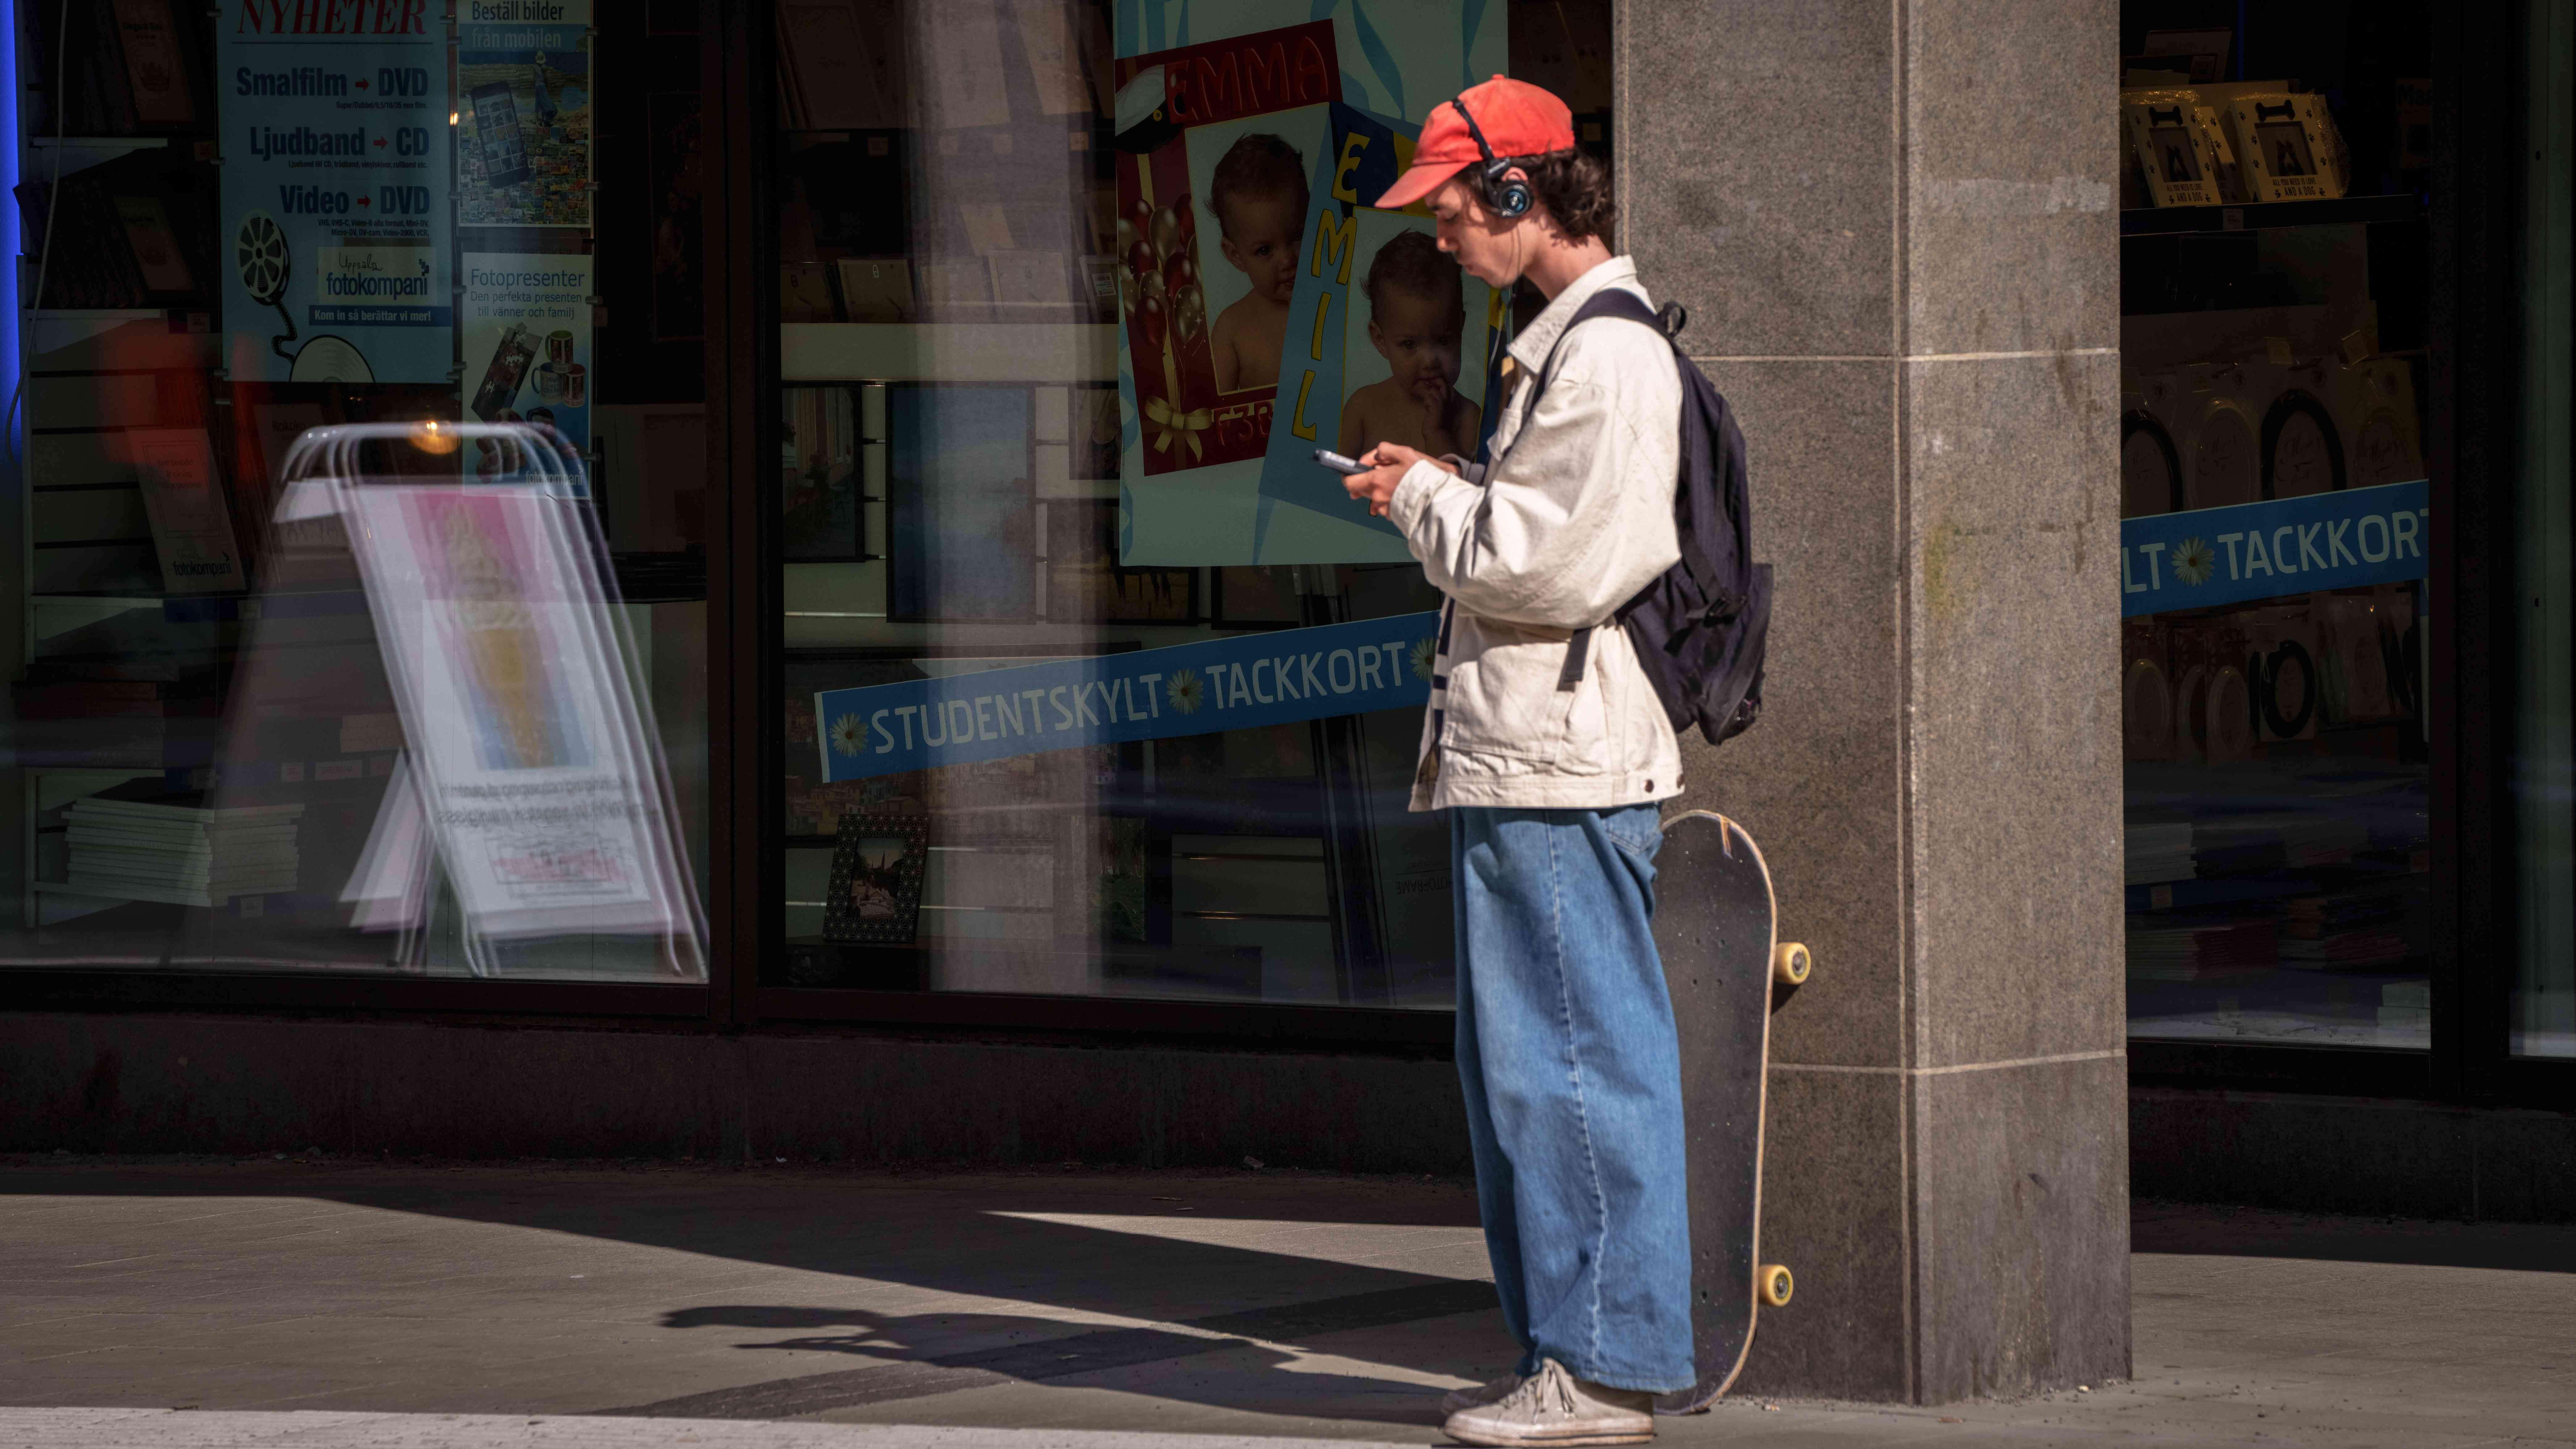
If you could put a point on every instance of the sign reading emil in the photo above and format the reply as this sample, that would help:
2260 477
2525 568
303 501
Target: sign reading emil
1234 121
527 343
335 186
1384 323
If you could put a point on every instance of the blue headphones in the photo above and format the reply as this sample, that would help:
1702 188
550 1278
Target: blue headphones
1503 195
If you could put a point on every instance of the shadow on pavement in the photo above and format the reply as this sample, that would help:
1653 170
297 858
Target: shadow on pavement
970 1236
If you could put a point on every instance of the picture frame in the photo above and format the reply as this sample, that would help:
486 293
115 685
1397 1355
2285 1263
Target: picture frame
822 486
1254 596
2287 142
1094 431
879 859
1086 583
961 504
2172 144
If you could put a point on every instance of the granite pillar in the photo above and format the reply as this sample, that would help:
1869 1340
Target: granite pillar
1894 223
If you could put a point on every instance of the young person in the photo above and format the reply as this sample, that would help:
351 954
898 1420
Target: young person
1566 1046
1258 197
1417 315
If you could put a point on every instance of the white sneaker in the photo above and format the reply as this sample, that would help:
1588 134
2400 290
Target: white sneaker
1553 1407
1493 1391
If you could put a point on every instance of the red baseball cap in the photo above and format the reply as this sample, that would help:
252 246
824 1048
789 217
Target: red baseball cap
1518 119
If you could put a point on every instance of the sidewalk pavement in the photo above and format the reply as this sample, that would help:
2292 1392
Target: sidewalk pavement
318 1302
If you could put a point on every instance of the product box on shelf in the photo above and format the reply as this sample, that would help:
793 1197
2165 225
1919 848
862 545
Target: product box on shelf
2174 147
2288 145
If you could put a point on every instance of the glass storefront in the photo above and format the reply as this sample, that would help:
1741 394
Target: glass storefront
1094 684
2278 350
389 382
359 594
2543 772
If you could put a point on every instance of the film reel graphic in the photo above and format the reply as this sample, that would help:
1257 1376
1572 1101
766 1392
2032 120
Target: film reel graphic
266 261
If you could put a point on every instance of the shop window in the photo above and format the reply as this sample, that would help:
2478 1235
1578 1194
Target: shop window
1095 684
2544 727
427 703
2277 347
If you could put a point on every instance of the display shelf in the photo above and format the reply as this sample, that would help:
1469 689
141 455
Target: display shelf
2269 215
950 352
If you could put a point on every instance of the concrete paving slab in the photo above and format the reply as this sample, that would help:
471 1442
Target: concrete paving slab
1111 1304
161 1429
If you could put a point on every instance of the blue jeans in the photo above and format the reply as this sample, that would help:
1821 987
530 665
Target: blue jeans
1574 1093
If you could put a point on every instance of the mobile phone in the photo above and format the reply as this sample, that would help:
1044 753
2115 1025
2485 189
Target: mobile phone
1338 463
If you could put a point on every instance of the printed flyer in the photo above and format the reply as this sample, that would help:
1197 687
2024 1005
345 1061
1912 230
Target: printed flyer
1226 132
526 333
523 91
335 193
532 751
1216 142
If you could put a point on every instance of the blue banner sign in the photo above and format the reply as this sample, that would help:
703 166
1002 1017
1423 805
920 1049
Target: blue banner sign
2282 546
1188 689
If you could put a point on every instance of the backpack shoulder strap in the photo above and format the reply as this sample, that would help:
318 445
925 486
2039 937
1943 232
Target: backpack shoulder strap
1626 306
1616 302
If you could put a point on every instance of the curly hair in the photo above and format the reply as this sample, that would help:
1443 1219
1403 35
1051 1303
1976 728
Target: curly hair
1258 164
1412 263
1575 188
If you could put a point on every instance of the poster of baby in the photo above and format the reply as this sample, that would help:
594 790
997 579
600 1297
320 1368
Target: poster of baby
1224 148
1214 144
1388 335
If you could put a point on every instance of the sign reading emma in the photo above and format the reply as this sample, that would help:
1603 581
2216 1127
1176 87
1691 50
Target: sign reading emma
1188 689
2280 546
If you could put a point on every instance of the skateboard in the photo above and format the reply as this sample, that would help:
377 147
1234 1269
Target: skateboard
1716 927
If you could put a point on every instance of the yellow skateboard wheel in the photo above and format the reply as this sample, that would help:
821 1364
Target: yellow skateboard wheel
1790 963
1775 1285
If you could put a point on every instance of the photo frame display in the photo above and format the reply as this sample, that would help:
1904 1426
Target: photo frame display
822 477
2288 146
1086 583
2174 147
879 858
961 508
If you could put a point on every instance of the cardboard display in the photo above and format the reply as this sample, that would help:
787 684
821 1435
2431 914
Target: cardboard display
2174 147
2288 145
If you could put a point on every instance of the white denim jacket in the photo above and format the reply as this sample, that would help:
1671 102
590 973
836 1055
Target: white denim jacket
1572 520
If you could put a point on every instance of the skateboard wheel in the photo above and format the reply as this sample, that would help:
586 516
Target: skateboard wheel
1790 963
1775 1285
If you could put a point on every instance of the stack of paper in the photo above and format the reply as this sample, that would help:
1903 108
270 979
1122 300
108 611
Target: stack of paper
2361 924
2197 952
2158 853
2283 840
180 853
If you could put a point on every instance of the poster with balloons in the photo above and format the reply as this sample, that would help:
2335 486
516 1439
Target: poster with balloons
1224 120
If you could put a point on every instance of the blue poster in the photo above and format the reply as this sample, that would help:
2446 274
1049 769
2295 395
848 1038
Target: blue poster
1212 266
336 192
523 113
1188 689
1381 327
2211 556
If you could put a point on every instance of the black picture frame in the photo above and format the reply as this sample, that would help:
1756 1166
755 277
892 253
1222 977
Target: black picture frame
961 503
823 498
1258 599
1087 584
879 858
